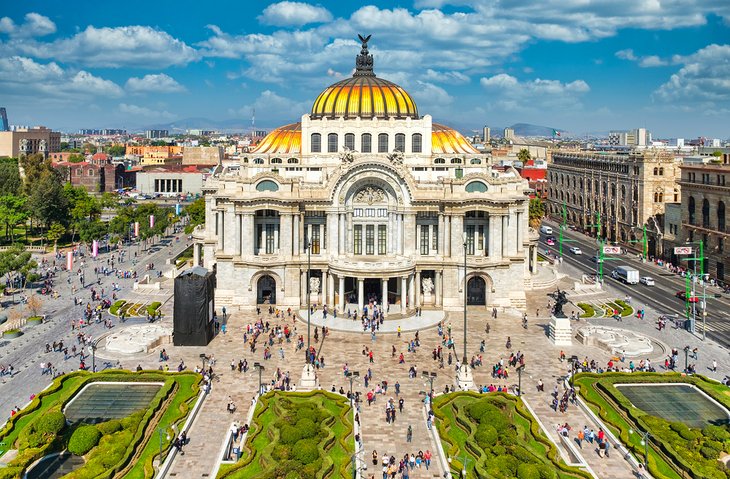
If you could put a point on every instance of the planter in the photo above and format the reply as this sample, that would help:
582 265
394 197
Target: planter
12 334
34 320
3 318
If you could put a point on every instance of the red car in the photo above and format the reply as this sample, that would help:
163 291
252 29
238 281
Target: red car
683 296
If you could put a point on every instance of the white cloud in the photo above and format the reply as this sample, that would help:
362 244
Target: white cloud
644 62
294 14
451 77
35 25
271 108
23 76
704 77
159 83
114 47
511 94
147 113
627 54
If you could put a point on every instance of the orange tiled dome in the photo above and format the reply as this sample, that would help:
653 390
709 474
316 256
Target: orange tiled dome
445 140
284 140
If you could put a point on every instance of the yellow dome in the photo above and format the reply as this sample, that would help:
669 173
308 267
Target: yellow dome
364 95
285 140
447 141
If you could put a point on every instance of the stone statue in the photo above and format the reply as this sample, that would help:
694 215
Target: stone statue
314 285
560 298
42 146
427 285
396 157
370 195
364 61
347 155
24 145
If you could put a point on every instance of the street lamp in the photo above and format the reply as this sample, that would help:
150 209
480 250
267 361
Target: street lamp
93 354
351 375
430 377
464 375
691 294
520 368
204 358
686 358
260 368
645 437
160 432
308 246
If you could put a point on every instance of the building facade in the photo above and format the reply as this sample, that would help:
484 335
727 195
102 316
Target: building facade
171 181
29 141
705 194
627 191
381 202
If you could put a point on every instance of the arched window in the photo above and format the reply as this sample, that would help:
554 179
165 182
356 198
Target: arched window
316 143
613 190
332 143
350 141
623 192
456 161
439 161
366 143
383 143
476 161
721 216
705 213
292 161
691 210
656 171
661 171
476 187
676 195
276 161
656 197
400 142
623 213
661 197
267 185
416 143
258 161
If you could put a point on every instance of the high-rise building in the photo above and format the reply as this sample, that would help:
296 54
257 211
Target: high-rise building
4 117
486 134
509 134
640 137
154 134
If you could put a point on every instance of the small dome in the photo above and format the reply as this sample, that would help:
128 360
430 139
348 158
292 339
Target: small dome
447 141
364 95
284 140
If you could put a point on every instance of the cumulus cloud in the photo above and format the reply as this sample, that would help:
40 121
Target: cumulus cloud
35 25
451 77
145 112
23 76
271 108
294 14
644 62
159 83
513 94
704 76
130 46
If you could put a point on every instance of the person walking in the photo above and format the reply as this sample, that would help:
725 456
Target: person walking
409 434
580 438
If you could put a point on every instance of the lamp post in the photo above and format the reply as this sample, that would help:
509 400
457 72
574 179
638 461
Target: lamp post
430 377
464 376
645 437
204 358
308 300
520 368
260 368
464 237
160 432
686 358
690 294
351 375
93 354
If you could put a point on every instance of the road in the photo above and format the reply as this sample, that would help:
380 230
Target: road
662 296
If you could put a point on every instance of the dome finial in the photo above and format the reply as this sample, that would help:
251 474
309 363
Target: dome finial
364 61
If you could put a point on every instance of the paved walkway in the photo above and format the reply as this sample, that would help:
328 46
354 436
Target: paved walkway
428 319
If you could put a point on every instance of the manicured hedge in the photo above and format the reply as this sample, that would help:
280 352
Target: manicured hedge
83 439
114 310
153 307
588 311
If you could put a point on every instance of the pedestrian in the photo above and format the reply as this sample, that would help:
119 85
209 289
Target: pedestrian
714 366
409 433
580 438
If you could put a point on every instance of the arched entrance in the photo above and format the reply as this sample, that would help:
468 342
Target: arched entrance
266 290
476 291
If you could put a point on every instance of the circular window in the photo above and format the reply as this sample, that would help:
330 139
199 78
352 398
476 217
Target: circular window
267 185
476 187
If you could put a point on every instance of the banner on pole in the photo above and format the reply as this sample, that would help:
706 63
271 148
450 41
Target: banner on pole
152 221
681 250
94 248
136 229
611 250
70 260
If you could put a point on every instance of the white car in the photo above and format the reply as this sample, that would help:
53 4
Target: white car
575 250
647 280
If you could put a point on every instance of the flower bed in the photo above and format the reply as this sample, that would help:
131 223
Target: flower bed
115 308
676 451
588 311
499 436
34 320
12 333
297 435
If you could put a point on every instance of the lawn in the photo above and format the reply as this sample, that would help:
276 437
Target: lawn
114 448
499 438
676 450
297 435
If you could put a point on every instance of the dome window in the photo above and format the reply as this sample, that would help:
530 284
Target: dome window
332 143
276 161
292 161
476 161
366 141
456 161
439 161
383 143
400 142
417 143
258 161
316 143
267 185
476 187
350 141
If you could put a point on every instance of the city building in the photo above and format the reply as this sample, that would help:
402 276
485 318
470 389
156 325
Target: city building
535 172
202 155
172 181
486 134
4 120
638 137
705 191
154 134
197 132
628 190
96 175
29 141
383 204
672 225
509 134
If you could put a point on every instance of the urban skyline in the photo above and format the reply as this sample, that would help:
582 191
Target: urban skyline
580 68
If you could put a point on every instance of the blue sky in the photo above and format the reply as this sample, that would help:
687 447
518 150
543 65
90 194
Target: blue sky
579 65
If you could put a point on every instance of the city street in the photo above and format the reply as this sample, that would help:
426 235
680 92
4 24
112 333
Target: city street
662 296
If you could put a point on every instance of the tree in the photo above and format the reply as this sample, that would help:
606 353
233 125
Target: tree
46 201
108 200
10 181
12 212
117 150
83 207
16 261
55 233
92 230
524 155
196 212
76 158
35 303
537 212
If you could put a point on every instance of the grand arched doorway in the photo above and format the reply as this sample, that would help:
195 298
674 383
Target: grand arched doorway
266 290
476 291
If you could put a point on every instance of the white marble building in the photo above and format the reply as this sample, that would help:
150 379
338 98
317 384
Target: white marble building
387 201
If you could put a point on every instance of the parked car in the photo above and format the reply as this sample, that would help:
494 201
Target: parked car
576 250
550 241
646 280
683 296
547 230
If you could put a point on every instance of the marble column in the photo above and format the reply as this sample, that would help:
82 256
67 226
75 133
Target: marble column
399 233
534 260
505 235
410 236
247 235
441 235
196 254
384 299
519 232
341 237
495 237
239 234
412 290
391 233
513 235
341 299
295 229
437 287
323 290
349 234
418 288
219 219
403 289
331 290
360 294
332 233
447 236
457 241
285 237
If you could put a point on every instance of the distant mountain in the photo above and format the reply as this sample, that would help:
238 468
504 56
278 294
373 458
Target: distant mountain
527 129
179 126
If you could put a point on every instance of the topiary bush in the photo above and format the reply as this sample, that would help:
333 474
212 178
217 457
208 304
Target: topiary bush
307 428
528 471
306 451
109 427
114 310
83 440
50 423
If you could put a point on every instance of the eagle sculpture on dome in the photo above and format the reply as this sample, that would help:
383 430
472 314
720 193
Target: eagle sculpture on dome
364 61
364 40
